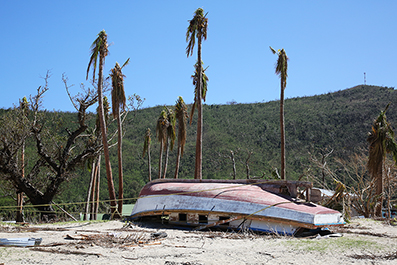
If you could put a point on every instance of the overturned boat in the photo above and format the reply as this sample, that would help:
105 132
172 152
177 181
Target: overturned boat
259 205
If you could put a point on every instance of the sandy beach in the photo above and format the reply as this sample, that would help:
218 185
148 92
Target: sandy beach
363 241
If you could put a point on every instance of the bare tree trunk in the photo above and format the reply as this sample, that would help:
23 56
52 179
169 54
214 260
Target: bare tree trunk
166 158
161 159
98 180
234 163
120 159
388 195
247 167
19 215
282 126
112 194
93 188
149 163
89 191
178 159
379 190
198 174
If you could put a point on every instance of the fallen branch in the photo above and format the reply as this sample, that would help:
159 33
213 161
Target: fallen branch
392 256
347 231
67 252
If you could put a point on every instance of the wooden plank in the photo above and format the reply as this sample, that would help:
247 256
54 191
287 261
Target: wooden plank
220 222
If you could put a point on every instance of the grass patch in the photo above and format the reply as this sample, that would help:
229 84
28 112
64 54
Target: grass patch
5 252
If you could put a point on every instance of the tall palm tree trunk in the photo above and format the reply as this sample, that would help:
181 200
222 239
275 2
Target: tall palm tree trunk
90 191
19 215
161 158
98 180
166 158
93 191
120 158
199 149
178 159
112 194
149 163
234 163
379 189
282 127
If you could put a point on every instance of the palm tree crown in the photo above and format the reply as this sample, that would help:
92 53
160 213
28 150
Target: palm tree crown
118 94
197 28
204 80
171 128
281 66
181 115
147 142
161 133
98 47
162 126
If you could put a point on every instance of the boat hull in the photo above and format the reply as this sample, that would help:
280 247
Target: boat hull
230 205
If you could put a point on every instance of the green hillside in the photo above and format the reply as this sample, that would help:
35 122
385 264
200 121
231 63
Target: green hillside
339 120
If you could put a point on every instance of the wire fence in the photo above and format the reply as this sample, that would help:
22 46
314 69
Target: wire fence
76 209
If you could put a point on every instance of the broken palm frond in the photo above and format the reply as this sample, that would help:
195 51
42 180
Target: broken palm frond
338 195
360 195
364 199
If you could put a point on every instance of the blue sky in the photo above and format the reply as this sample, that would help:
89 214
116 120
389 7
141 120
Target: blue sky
330 45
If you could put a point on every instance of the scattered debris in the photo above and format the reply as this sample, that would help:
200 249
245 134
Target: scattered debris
159 235
182 263
328 236
111 240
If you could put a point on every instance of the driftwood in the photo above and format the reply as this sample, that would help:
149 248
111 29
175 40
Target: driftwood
391 256
64 251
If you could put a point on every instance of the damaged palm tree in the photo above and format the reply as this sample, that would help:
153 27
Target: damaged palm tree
381 141
119 103
198 29
100 48
281 70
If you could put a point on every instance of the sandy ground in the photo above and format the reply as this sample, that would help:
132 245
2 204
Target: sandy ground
363 241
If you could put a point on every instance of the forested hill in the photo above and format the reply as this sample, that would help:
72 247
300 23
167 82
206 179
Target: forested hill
338 121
